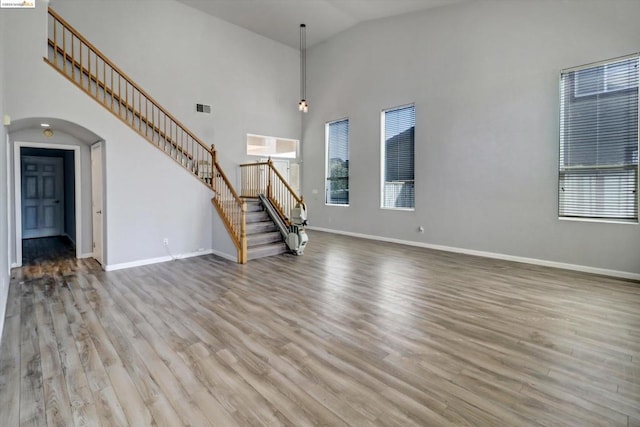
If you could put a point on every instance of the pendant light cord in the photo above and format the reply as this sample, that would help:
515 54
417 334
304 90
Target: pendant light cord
303 64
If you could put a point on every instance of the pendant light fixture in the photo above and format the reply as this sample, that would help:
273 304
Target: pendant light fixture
303 106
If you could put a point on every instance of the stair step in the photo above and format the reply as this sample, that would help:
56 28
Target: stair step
263 238
253 205
270 249
261 227
257 216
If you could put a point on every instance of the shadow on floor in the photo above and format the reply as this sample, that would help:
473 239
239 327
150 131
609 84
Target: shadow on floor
46 256
47 250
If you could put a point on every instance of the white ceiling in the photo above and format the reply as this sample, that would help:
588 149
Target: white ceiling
280 19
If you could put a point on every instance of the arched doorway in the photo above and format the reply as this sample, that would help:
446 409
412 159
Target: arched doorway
52 189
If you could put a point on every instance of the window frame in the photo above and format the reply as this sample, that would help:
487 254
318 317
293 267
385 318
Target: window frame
326 162
565 170
383 156
604 87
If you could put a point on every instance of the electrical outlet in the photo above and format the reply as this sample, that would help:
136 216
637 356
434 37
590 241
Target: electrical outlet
165 241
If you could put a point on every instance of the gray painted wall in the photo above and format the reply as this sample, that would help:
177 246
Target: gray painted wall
4 232
484 78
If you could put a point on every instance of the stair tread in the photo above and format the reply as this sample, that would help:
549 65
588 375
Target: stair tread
264 227
265 250
260 217
261 221
258 239
274 233
254 206
272 244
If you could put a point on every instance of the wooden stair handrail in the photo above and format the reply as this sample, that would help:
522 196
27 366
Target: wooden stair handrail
297 198
235 195
124 75
256 180
238 234
269 163
118 99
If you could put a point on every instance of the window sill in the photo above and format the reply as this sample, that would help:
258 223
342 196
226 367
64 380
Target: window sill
605 221
398 209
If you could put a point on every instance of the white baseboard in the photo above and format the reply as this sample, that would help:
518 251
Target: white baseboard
534 261
224 255
4 300
148 261
87 255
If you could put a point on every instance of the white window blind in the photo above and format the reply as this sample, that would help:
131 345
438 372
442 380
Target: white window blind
398 186
337 167
598 172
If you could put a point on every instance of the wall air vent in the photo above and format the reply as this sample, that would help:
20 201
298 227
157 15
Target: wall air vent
203 108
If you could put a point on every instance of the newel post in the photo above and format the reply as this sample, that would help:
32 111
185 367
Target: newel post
214 167
269 168
242 258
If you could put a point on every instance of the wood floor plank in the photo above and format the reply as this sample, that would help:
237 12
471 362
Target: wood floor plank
56 395
241 400
135 409
134 377
130 401
10 371
13 299
154 353
94 329
97 377
32 410
354 332
83 408
108 408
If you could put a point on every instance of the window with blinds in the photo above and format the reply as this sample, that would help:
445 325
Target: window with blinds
598 171
337 167
398 132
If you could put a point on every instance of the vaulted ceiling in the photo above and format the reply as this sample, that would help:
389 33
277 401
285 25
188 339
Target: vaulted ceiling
280 19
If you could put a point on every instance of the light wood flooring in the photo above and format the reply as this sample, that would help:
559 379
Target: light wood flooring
353 332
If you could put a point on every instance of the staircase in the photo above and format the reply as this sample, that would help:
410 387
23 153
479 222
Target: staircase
263 237
249 226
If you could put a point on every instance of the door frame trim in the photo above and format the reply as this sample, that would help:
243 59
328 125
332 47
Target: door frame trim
99 145
17 178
